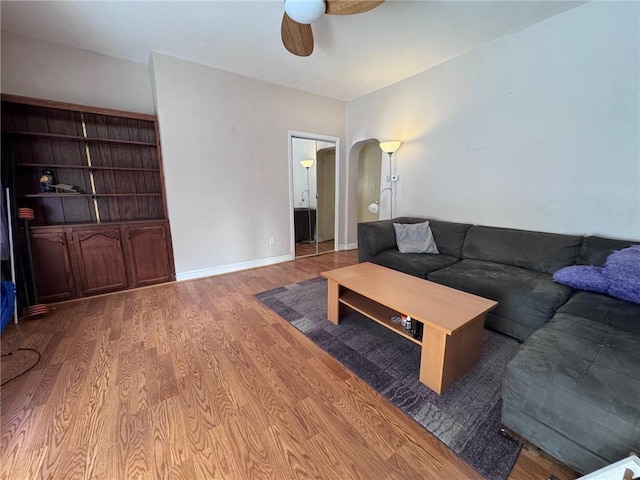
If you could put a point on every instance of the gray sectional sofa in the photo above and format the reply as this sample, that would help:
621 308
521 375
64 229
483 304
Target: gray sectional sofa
573 389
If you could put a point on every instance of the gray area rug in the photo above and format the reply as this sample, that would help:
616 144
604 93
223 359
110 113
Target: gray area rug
466 417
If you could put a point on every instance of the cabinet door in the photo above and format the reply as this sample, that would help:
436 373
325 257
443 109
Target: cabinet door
52 265
98 259
149 257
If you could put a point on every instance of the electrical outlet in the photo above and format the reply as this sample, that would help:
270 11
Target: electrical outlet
272 241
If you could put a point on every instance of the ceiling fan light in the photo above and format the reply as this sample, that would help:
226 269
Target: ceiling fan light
304 11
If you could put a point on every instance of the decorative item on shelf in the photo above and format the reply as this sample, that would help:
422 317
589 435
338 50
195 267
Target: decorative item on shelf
63 187
418 330
47 180
408 323
389 148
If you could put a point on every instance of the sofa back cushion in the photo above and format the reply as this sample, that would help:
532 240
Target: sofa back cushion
595 250
543 252
378 236
449 236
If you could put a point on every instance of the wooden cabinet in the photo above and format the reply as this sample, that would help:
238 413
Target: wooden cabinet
82 260
101 222
148 254
304 224
98 259
52 262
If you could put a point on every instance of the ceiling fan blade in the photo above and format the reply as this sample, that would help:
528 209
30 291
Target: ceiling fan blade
296 37
350 7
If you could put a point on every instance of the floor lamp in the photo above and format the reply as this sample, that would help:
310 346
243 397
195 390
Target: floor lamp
389 148
308 164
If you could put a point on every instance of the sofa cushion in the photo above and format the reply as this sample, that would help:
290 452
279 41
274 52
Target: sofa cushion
415 238
524 296
619 278
449 236
417 264
378 236
375 237
595 250
581 379
543 252
582 277
604 309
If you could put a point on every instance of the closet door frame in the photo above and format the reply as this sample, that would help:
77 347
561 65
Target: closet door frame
291 134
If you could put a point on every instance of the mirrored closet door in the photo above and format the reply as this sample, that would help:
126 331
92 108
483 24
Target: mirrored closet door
313 163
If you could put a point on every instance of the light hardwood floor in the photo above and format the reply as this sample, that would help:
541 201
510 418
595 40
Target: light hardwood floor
198 380
304 249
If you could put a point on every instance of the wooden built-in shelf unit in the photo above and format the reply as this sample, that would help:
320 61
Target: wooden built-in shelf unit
112 235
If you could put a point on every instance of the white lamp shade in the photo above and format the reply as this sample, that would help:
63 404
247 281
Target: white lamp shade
374 208
304 11
307 163
390 147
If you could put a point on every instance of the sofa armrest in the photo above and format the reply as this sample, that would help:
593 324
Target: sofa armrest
375 237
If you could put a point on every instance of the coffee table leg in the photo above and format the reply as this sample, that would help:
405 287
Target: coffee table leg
446 358
333 303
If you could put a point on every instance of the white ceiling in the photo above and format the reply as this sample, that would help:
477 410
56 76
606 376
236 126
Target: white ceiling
353 55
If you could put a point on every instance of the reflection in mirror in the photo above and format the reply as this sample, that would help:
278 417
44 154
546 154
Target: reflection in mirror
313 163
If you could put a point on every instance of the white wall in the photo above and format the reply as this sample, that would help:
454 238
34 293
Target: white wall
225 152
536 130
33 68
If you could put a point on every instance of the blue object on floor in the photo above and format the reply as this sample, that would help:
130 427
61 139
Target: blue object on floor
8 296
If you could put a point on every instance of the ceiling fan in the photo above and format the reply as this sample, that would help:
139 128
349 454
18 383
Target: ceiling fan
299 14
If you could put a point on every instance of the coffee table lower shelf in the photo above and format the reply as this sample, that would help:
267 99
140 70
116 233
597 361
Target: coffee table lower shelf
446 355
376 312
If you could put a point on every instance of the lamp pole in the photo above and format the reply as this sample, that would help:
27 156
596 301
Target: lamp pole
309 204
390 187
389 148
308 164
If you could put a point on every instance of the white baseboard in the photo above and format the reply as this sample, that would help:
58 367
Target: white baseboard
349 246
235 267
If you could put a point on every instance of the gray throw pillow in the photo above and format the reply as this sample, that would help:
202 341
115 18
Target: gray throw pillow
415 238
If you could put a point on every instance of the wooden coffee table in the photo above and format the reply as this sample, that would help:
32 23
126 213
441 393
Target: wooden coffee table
453 320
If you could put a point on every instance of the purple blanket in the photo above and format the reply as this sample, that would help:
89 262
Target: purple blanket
619 277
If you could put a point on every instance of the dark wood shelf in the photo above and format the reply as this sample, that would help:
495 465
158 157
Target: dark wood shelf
46 195
86 167
61 136
113 237
58 226
125 194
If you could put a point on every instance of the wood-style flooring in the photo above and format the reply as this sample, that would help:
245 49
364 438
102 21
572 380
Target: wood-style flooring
198 380
304 249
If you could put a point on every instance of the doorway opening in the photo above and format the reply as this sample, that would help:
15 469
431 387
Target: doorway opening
369 174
